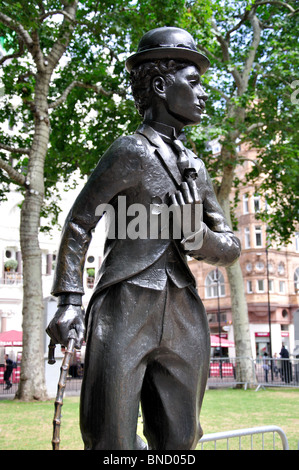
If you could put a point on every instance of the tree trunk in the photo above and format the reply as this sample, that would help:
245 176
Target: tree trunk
32 381
244 366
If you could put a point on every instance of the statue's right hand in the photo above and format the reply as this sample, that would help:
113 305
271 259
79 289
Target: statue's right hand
66 318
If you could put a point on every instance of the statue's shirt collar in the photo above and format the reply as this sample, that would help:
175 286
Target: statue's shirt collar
167 133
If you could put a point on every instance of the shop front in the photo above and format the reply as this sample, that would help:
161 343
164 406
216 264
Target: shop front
262 343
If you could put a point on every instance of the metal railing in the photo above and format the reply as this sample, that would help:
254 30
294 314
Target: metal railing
272 372
223 373
241 433
277 372
9 279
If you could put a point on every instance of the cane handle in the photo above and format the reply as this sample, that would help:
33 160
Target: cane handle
51 352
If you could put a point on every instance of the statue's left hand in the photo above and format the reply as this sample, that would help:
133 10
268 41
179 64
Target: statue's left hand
189 215
66 318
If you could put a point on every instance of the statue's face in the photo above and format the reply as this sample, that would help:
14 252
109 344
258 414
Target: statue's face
185 97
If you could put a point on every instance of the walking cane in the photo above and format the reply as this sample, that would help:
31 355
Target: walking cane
61 384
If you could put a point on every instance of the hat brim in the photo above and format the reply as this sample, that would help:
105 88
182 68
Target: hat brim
179 53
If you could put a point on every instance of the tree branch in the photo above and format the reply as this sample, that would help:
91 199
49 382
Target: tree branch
12 173
225 54
41 6
254 162
32 42
74 84
36 51
243 19
56 12
64 2
253 47
251 128
60 46
255 126
274 2
17 27
14 150
223 95
223 43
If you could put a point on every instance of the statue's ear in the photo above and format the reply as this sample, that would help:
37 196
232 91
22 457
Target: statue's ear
159 87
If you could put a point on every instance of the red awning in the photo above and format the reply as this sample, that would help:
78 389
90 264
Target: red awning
11 338
224 342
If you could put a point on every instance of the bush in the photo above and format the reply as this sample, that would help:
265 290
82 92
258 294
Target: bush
90 272
11 264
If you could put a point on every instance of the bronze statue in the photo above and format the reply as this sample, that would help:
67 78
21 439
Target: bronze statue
146 332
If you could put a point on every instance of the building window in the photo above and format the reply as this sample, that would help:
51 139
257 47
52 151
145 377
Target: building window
249 287
297 242
270 267
245 204
282 287
248 267
8 254
257 203
260 285
258 236
280 268
285 314
296 281
271 285
214 285
259 265
247 237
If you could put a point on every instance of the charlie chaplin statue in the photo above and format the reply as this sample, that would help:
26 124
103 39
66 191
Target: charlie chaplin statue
146 331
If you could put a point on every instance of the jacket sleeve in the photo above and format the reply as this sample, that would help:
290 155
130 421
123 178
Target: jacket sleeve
218 244
117 171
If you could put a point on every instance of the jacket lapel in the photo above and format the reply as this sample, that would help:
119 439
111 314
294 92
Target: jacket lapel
165 155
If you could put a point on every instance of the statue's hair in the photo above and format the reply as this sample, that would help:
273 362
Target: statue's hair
142 77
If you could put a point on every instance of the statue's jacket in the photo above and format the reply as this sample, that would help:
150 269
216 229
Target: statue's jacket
142 169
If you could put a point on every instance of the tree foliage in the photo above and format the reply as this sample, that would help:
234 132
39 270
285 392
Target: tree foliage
253 48
91 114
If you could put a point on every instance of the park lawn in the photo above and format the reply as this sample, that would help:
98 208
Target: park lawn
230 409
28 425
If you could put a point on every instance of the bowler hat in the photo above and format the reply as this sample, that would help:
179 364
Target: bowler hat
168 43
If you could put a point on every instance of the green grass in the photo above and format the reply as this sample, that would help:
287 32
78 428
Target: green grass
230 409
28 426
